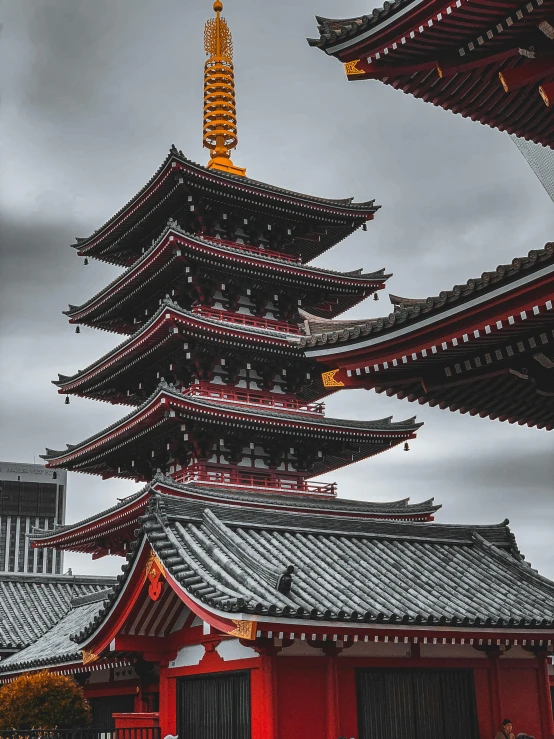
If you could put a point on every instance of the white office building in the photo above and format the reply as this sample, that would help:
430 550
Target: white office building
31 496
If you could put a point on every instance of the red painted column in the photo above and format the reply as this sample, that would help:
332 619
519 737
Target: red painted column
333 713
496 702
545 700
268 687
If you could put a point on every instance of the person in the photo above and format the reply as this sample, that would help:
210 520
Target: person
506 731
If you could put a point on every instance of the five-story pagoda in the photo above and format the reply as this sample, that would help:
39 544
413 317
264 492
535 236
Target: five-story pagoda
216 281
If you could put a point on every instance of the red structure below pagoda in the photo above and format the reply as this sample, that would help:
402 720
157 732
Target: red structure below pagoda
253 602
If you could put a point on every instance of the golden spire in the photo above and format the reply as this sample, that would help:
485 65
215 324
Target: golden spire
220 112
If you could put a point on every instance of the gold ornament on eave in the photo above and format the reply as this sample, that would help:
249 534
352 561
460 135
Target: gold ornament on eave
220 111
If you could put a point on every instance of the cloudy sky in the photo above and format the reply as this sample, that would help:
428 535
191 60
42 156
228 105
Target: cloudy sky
93 93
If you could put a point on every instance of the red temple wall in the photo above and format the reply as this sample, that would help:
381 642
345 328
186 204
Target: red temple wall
519 698
294 692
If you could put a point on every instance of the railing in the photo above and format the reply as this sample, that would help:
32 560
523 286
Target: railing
150 732
220 475
254 249
253 397
244 319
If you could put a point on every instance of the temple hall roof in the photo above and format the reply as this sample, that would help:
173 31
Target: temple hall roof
55 645
488 61
30 605
536 265
295 567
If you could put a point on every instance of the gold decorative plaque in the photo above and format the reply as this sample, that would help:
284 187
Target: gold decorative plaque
88 657
244 629
351 68
329 379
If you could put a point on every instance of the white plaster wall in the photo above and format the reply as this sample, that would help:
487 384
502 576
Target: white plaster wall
231 649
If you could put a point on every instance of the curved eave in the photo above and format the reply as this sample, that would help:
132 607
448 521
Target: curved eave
401 510
159 329
163 406
426 329
171 245
452 58
81 536
338 34
190 564
174 164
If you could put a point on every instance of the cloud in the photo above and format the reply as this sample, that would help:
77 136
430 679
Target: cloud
93 94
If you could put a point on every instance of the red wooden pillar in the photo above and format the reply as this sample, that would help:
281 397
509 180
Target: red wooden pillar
496 702
545 701
268 685
332 687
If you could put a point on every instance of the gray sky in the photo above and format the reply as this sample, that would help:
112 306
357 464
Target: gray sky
93 93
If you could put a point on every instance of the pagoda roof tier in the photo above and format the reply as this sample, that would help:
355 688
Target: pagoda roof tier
158 422
175 253
182 188
111 531
278 572
113 377
488 61
486 347
31 604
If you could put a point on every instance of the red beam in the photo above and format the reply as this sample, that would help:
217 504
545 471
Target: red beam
526 74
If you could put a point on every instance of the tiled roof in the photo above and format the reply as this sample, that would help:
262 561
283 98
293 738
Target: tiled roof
334 30
316 420
410 310
31 604
339 568
290 501
355 277
167 302
123 503
224 177
55 646
239 496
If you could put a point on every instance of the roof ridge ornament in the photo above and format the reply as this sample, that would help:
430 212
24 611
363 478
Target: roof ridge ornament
220 110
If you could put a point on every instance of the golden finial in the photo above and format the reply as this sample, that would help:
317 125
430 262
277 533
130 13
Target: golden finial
220 112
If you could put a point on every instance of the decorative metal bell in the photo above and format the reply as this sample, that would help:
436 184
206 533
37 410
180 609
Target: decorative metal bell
375 296
67 399
364 227
78 330
406 447
85 262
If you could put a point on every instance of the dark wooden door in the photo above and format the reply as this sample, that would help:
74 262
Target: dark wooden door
214 706
420 704
102 709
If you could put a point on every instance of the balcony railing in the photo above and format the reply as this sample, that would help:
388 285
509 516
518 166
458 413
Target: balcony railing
244 319
255 249
253 397
235 477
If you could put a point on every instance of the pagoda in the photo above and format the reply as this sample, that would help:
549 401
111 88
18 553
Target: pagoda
253 603
216 276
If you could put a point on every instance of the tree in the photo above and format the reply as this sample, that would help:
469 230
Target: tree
42 700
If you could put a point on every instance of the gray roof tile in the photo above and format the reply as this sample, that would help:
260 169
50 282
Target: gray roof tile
55 646
31 604
344 569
